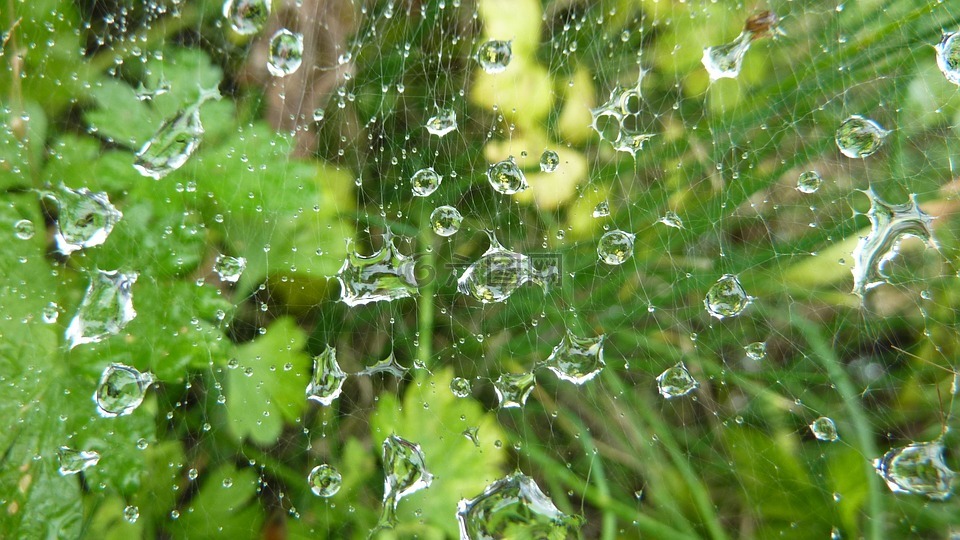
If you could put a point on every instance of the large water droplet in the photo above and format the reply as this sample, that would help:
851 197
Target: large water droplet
726 298
85 218
809 182
506 177
24 229
725 61
382 277
327 382
460 387
615 247
73 461
824 429
514 507
549 161
602 209
121 390
576 359
442 123
917 468
494 56
286 53
948 56
324 481
105 309
676 382
513 389
425 182
497 274
859 137
405 473
445 220
889 225
174 142
756 351
229 268
246 16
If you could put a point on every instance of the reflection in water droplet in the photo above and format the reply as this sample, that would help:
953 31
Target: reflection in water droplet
726 298
671 219
576 359
676 382
121 390
514 507
494 56
513 389
327 382
506 177
631 141
602 209
131 514
442 123
24 229
51 312
318 114
917 468
615 247
824 429
286 53
85 219
425 182
246 16
174 142
948 56
859 137
725 61
809 182
105 309
387 365
229 268
324 481
404 473
549 161
473 435
889 225
73 461
499 272
382 277
445 220
460 387
756 351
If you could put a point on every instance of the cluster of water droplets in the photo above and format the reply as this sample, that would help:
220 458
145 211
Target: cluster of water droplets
619 122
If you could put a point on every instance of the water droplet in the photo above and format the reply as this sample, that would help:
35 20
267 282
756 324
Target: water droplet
229 268
425 182
615 247
387 365
473 435
105 309
494 56
246 16
513 389
131 514
602 209
445 220
726 298
889 225
809 182
506 177
73 461
460 387
631 142
514 507
442 123
327 382
85 218
756 351
286 53
576 359
676 382
549 161
174 142
824 429
725 61
145 94
405 473
385 276
671 219
318 114
51 312
142 444
121 390
917 468
859 137
497 274
324 481
24 229
948 56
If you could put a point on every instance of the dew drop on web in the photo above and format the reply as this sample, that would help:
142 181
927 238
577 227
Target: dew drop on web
286 53
324 481
445 220
327 382
514 506
106 307
121 390
676 382
73 461
494 56
246 17
615 247
726 298
859 137
824 429
425 182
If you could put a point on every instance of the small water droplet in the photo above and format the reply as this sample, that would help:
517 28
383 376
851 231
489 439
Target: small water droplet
286 53
859 137
85 218
51 312
385 276
506 177
809 182
726 298
387 365
121 390
73 461
131 514
327 382
917 468
948 56
425 182
549 161
671 219
615 247
405 473
514 507
824 429
324 481
676 382
494 56
106 308
318 114
513 389
756 351
602 209
473 435
445 220
246 16
229 268
442 123
24 229
460 387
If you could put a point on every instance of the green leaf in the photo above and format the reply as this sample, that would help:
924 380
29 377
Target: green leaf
225 507
22 139
430 415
